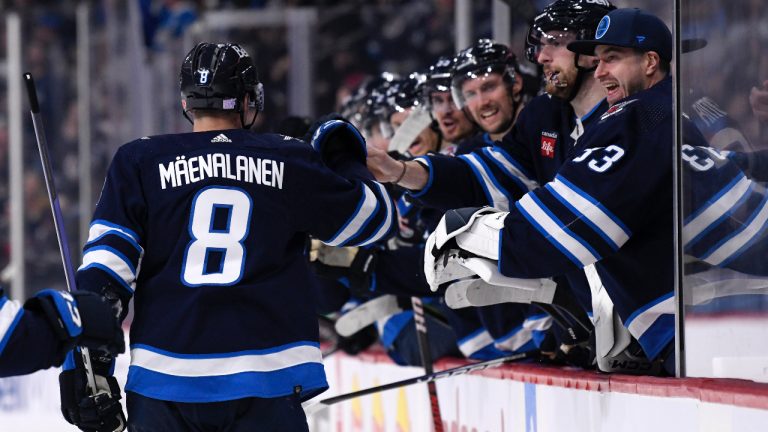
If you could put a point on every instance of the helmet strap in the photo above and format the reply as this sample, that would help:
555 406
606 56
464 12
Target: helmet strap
245 104
580 74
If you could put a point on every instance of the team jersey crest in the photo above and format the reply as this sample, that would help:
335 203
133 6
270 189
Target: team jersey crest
616 109
548 143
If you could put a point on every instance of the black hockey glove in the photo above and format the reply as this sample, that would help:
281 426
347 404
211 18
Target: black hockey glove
359 341
339 144
80 318
356 264
92 411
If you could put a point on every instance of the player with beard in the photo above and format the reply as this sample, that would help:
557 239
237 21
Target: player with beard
539 142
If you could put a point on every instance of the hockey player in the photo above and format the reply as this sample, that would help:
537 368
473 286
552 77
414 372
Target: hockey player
611 202
404 99
459 132
486 83
539 142
38 334
208 230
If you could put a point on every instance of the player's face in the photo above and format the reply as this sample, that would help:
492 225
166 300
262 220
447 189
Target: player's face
620 71
489 102
560 71
453 124
424 143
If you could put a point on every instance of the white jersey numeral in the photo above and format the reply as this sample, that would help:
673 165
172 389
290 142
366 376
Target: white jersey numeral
216 255
610 155
700 163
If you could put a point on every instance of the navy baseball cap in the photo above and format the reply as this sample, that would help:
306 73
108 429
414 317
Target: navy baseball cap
631 28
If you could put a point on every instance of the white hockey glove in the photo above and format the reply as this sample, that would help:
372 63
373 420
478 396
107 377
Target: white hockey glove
466 232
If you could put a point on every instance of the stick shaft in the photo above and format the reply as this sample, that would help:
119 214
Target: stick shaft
58 219
426 360
460 370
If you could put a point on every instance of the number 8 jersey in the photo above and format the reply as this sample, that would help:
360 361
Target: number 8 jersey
206 231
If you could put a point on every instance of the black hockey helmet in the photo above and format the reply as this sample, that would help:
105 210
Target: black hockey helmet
578 16
397 95
439 75
375 111
357 107
438 79
482 58
217 77
406 93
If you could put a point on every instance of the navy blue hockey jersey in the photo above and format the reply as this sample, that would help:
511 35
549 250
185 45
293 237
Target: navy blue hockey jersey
610 205
725 209
207 232
27 341
530 155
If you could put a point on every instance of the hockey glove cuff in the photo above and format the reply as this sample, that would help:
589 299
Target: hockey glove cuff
82 318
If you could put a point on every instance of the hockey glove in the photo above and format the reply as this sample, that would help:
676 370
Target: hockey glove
464 232
80 318
359 341
356 264
92 411
339 143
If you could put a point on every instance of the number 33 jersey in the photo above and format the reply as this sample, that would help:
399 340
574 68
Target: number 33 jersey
207 231
611 205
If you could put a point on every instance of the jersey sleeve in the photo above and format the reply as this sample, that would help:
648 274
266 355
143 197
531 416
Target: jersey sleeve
113 252
618 180
494 176
27 342
341 211
726 212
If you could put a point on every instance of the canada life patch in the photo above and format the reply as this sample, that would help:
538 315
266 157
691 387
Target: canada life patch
548 142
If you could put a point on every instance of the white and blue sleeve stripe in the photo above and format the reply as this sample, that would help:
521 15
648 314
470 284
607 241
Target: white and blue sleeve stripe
511 167
389 219
714 210
496 195
10 314
566 241
100 228
594 214
474 342
365 210
732 246
112 262
515 339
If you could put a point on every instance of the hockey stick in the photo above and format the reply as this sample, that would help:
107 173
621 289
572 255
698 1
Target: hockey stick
58 221
426 360
312 408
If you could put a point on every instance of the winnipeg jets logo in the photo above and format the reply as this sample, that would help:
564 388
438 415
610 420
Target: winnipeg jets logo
548 143
616 109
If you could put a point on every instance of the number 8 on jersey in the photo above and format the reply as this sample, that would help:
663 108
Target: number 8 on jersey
218 225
